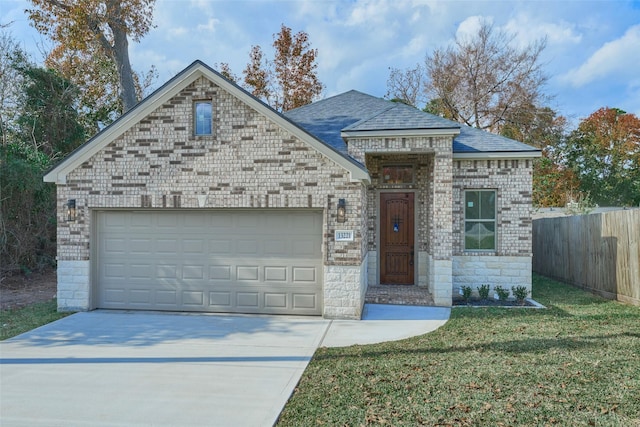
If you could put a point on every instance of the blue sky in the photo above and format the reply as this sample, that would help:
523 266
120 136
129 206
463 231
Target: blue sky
592 55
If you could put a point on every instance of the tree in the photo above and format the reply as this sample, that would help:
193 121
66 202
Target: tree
226 71
43 127
406 86
290 80
257 75
49 120
539 127
88 29
10 84
604 152
483 79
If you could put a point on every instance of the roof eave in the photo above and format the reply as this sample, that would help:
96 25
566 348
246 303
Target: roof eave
388 133
503 155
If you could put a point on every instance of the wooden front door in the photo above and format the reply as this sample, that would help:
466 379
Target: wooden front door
396 238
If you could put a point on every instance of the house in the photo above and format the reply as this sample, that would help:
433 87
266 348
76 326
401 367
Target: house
203 198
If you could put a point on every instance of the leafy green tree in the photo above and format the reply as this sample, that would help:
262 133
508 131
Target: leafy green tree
44 128
604 153
49 120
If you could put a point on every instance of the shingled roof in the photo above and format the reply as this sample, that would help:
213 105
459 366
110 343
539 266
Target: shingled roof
355 111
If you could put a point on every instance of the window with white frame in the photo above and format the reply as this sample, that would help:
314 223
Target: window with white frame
202 118
480 220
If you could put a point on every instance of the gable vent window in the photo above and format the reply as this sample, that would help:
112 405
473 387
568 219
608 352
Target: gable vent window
203 119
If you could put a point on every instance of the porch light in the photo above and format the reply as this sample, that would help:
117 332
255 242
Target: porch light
71 210
342 211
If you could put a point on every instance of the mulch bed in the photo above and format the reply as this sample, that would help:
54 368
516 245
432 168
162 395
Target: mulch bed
491 303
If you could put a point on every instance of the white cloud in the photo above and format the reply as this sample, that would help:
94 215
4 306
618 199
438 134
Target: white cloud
210 26
470 26
527 30
615 59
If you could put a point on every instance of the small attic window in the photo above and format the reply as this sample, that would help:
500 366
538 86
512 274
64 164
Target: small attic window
397 174
202 118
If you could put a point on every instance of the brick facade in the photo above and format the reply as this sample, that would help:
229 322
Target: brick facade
431 158
510 264
253 161
248 162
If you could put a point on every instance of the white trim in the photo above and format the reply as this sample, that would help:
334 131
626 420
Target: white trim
398 133
198 69
506 155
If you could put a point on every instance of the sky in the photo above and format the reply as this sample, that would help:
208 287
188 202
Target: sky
592 55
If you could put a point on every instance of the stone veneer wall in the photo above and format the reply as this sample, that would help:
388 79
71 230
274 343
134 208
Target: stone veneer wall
248 162
510 264
432 157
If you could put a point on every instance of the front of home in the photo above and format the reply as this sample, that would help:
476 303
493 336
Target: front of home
203 198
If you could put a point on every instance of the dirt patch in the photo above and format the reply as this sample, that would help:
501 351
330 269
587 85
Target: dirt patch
18 291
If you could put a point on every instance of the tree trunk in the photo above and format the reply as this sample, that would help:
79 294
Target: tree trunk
121 56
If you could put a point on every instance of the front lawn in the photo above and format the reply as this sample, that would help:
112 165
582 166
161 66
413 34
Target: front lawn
16 321
576 363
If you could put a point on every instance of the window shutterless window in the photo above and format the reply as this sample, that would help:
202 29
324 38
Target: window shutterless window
202 118
480 220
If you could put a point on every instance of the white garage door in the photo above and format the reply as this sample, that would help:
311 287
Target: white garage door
216 261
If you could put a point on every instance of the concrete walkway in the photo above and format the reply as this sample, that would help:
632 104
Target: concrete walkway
110 368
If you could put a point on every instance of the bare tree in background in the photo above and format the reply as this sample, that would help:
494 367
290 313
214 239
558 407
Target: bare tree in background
482 79
407 85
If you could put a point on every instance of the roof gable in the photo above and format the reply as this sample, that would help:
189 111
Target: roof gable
197 69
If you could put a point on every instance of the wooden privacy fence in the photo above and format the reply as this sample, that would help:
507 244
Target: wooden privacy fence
599 252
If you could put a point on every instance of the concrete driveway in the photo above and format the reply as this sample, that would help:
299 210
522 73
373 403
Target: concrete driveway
110 368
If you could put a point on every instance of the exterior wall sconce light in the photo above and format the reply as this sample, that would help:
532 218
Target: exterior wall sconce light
71 210
342 211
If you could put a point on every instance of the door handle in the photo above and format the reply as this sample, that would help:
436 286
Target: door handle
411 260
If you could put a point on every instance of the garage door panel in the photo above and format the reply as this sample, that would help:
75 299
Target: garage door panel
166 297
275 274
221 261
246 300
140 296
220 247
220 300
304 274
247 247
166 272
305 301
167 246
277 247
193 272
220 272
115 246
275 300
193 246
193 298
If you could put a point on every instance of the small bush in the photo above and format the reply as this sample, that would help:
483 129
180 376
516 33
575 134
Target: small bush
502 293
520 292
466 292
483 291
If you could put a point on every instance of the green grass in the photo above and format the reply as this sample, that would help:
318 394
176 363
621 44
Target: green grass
576 363
16 321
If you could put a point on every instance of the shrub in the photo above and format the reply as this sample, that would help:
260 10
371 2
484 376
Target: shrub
502 293
466 292
483 291
520 292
